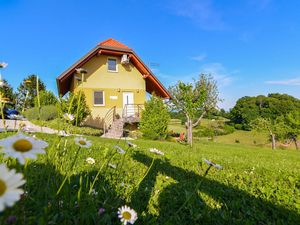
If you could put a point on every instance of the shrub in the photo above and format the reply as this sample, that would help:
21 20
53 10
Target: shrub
155 119
71 104
46 98
48 112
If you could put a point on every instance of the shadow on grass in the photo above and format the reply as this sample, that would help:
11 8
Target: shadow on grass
222 205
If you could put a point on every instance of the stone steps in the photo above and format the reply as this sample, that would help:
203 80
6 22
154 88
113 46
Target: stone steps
116 130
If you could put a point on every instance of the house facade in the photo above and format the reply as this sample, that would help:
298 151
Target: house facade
113 79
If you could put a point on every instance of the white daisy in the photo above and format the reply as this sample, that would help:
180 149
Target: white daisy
21 147
130 144
127 215
83 142
119 149
217 166
156 151
10 181
90 160
68 116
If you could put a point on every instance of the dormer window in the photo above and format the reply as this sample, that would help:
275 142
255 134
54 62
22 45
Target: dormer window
112 65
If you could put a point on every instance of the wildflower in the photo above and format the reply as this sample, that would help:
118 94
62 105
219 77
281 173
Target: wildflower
94 192
3 65
82 142
119 149
10 181
127 215
217 166
101 211
130 144
68 117
21 146
156 151
114 166
63 133
90 160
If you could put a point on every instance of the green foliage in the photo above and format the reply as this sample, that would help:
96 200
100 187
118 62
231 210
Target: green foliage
61 124
256 186
6 91
215 128
247 109
155 119
48 112
27 91
76 105
46 98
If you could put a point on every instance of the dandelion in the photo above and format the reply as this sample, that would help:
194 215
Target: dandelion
90 160
127 215
119 149
68 116
21 147
156 151
217 166
83 142
10 181
114 166
130 144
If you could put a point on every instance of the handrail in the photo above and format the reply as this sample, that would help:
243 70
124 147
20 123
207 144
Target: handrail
132 110
109 118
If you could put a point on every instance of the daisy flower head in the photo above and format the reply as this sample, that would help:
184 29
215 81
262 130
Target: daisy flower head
119 149
217 166
90 160
20 147
83 142
127 215
10 181
130 144
68 116
156 151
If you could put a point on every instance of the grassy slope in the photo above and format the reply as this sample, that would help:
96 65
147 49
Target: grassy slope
256 186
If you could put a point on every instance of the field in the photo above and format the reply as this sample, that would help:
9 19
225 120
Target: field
255 186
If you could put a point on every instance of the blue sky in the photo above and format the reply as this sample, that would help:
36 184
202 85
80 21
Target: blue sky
251 47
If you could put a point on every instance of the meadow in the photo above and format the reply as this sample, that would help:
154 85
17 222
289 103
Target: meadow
255 186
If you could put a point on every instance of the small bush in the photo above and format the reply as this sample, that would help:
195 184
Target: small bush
48 112
155 119
46 98
71 104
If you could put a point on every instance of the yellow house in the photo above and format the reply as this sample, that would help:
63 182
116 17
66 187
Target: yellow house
114 80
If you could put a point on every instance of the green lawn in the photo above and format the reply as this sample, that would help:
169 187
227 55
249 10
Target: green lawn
255 186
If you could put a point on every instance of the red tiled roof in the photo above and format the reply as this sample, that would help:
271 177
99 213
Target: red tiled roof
113 43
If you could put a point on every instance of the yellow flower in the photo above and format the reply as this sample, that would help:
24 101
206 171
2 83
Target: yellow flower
10 181
21 147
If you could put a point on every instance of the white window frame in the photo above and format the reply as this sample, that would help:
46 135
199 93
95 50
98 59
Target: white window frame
117 69
103 93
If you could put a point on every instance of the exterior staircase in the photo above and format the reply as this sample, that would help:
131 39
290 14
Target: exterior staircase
116 129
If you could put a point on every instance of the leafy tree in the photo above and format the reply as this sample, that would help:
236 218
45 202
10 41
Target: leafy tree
46 98
155 119
6 91
27 91
293 119
277 129
194 100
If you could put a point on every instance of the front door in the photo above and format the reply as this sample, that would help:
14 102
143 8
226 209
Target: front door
128 104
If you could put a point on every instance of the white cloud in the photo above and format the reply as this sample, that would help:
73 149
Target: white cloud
202 12
219 72
199 58
290 82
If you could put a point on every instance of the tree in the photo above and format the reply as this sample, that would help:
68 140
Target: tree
194 100
27 91
155 119
293 119
277 129
6 91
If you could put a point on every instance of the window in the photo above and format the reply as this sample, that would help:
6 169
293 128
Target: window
112 65
99 98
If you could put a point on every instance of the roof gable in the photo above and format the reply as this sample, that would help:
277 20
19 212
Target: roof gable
113 43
